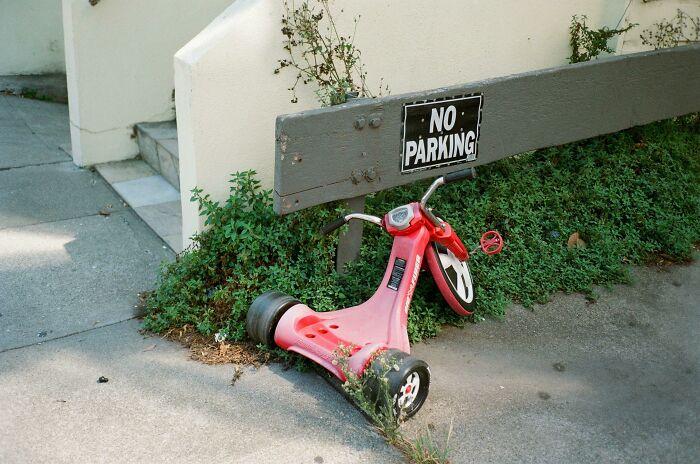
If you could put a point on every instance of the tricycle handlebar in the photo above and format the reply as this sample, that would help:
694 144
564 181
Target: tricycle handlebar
330 227
469 173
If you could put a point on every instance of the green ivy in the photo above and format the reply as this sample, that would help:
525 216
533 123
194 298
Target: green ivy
587 43
632 197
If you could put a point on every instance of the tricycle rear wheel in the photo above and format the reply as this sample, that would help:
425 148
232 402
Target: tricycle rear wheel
264 314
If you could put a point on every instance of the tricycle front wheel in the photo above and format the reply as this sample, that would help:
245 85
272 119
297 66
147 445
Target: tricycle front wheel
452 277
399 381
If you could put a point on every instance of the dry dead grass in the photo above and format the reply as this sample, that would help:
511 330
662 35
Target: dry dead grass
205 349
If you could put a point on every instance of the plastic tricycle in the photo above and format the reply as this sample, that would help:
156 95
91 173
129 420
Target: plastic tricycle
379 325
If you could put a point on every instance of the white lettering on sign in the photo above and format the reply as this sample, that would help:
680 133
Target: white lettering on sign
440 148
432 148
439 118
436 116
439 133
470 144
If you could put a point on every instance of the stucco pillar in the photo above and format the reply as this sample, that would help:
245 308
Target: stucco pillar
119 68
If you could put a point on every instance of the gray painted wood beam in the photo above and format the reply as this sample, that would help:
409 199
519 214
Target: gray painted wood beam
354 149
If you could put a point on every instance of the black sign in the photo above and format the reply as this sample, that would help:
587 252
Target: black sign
440 133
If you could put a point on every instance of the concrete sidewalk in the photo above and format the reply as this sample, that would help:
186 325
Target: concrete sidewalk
72 261
574 382
571 382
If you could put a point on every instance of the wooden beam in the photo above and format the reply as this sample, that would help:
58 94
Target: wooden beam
354 149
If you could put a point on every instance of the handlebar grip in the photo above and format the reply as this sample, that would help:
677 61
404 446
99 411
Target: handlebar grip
331 226
469 173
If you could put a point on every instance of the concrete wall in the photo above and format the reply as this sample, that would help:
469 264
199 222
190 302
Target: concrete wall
228 97
646 14
31 37
119 67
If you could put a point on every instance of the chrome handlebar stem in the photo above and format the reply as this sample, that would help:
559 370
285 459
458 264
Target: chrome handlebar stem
364 217
423 202
436 183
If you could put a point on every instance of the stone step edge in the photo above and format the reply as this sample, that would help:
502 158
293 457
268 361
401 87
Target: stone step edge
158 147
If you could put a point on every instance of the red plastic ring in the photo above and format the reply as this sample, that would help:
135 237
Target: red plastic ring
491 242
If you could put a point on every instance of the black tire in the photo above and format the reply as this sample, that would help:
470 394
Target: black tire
264 314
454 277
407 382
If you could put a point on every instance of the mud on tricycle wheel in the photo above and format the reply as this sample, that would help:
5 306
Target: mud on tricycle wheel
264 314
407 382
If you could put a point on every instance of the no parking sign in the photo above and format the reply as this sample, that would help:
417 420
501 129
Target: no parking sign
440 133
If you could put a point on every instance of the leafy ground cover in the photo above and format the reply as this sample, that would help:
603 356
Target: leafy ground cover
631 197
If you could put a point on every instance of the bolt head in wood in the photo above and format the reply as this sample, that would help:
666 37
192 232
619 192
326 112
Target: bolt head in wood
370 175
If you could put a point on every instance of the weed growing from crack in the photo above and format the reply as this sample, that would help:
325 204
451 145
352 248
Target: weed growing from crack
371 394
426 450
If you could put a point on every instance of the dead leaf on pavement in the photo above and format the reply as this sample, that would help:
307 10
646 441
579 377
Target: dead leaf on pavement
237 373
223 348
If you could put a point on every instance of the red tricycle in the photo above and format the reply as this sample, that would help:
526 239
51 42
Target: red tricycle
379 325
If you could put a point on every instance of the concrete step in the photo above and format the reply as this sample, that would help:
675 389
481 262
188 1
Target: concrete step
158 145
152 198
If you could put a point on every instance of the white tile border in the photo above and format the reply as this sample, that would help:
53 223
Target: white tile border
145 191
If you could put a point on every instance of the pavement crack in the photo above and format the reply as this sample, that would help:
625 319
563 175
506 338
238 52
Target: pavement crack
37 164
116 211
43 342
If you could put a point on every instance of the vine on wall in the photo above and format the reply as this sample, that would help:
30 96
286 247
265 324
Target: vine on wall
320 54
682 29
587 43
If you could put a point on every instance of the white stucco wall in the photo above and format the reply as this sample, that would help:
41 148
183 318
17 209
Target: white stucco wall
646 14
31 37
228 96
119 66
